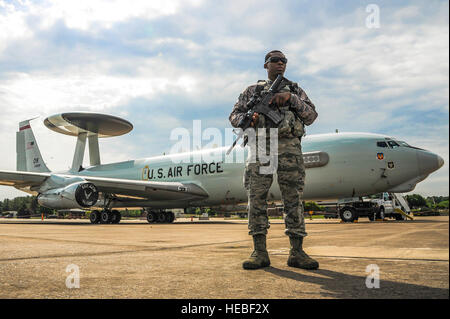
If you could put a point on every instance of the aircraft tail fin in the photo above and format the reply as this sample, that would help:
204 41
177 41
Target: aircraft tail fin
29 158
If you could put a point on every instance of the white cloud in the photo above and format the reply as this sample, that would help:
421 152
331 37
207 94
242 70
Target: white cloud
407 13
411 58
12 25
237 44
83 14
88 90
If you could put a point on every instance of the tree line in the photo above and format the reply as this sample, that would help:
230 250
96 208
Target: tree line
24 206
433 202
27 205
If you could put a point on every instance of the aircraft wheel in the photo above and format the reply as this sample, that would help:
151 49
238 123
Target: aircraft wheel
170 217
161 218
151 217
348 214
95 217
116 217
105 217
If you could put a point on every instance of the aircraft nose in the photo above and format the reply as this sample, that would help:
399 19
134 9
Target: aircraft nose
429 162
440 161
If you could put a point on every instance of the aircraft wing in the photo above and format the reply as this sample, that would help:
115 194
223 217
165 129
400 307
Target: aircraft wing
22 179
147 190
124 188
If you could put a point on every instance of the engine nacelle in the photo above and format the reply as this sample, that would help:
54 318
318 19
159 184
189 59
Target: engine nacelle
76 195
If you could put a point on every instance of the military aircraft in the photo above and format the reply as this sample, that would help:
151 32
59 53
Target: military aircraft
338 165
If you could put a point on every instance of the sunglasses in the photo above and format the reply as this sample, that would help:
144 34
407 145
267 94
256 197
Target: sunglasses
276 59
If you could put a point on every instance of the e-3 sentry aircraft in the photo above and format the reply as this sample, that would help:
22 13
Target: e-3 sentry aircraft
338 165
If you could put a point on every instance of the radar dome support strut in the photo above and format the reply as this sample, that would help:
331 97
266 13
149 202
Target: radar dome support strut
87 126
78 157
94 151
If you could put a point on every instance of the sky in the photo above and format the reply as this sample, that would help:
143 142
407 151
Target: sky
368 66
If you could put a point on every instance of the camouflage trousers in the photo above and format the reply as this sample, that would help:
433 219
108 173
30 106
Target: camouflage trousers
291 176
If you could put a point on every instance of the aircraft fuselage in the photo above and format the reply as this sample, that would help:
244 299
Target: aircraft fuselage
357 166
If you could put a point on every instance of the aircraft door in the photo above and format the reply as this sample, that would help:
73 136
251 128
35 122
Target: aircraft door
382 156
385 162
396 162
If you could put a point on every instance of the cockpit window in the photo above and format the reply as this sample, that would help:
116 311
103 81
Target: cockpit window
390 143
393 144
402 143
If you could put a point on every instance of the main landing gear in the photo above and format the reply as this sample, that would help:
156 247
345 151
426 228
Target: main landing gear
105 217
160 217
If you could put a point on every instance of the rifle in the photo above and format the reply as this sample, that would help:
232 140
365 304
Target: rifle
260 104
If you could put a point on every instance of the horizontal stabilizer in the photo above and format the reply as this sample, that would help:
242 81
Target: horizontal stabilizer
22 179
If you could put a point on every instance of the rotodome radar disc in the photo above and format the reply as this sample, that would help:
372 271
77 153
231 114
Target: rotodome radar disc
75 123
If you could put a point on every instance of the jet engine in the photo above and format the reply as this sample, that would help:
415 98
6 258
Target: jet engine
76 195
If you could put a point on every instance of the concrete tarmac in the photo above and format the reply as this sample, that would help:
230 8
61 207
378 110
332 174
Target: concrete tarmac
203 259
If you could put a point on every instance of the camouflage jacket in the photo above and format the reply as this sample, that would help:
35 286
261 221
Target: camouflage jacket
299 102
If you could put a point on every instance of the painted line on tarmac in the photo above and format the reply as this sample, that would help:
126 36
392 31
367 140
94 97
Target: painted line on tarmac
368 258
106 253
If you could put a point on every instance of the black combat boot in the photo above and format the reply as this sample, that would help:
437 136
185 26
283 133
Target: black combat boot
298 258
260 257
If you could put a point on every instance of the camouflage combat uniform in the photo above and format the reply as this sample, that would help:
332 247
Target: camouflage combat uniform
291 169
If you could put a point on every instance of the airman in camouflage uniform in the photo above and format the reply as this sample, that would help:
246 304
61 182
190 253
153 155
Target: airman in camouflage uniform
297 110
